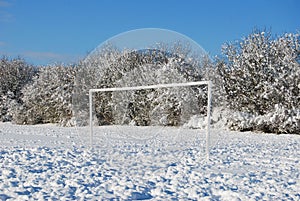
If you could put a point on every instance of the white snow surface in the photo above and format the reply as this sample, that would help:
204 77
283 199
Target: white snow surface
47 162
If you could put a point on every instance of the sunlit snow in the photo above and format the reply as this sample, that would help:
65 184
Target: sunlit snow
46 162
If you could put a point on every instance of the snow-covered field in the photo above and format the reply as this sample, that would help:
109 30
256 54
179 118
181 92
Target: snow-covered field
46 162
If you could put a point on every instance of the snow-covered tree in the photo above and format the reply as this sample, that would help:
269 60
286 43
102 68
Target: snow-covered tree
49 98
260 73
168 106
98 70
14 75
162 64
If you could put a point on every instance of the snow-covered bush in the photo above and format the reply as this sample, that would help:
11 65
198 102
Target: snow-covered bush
279 121
98 70
258 73
49 98
168 106
14 75
163 64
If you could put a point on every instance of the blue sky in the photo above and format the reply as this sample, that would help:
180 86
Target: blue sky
47 31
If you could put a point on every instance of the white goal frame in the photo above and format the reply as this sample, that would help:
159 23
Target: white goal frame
172 85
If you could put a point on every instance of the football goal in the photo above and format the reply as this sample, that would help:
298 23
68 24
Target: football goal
172 85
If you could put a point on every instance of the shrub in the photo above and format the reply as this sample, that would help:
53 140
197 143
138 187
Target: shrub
49 98
258 73
14 75
164 64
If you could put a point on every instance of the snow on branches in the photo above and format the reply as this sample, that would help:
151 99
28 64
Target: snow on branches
258 74
159 65
49 98
14 75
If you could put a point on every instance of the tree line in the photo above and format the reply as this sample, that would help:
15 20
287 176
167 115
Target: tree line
256 86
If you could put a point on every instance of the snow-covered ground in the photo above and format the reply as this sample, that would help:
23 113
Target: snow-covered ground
46 162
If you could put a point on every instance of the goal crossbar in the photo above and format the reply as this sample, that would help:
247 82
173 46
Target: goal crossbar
156 86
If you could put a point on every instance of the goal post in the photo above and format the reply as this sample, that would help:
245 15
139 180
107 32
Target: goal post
171 85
